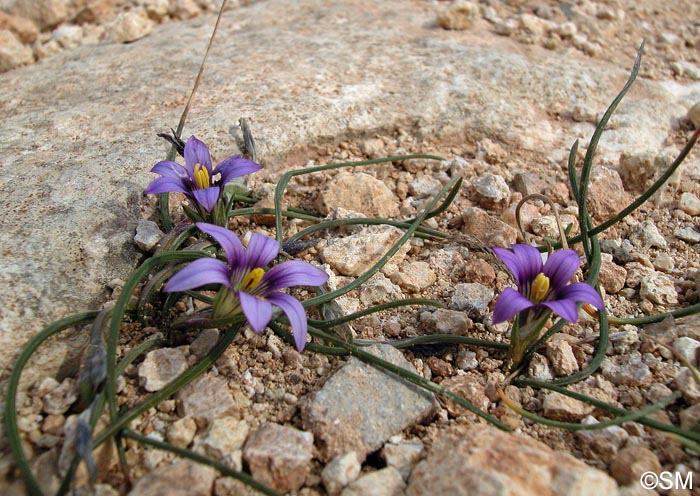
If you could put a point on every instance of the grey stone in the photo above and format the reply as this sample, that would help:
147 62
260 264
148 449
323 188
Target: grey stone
471 297
688 234
73 214
658 288
354 254
647 235
223 436
203 343
360 407
60 399
689 203
627 370
694 114
205 399
685 68
601 443
160 367
379 290
384 482
424 187
148 235
688 347
445 321
491 190
403 456
688 386
340 471
279 456
485 461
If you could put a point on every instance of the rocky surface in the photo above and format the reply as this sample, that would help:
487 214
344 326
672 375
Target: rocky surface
500 90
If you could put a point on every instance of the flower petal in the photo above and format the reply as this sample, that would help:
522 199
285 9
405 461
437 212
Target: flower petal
530 261
566 309
293 273
196 152
169 168
582 292
207 197
560 268
228 240
260 251
256 310
295 313
166 185
509 304
524 262
201 272
235 167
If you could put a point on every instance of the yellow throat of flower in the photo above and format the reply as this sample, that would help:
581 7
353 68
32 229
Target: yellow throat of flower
201 177
252 279
540 286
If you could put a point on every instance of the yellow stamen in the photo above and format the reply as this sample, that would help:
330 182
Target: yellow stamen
252 279
201 176
540 286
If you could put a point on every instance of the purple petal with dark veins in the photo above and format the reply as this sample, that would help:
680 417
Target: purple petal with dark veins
293 273
235 167
295 313
582 292
207 197
167 185
509 304
560 268
196 152
201 272
511 261
566 309
169 168
530 261
228 240
260 251
256 310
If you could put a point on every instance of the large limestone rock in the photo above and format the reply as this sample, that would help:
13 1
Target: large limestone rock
78 133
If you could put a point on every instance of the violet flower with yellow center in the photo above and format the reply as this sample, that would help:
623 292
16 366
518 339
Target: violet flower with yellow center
198 179
542 289
247 286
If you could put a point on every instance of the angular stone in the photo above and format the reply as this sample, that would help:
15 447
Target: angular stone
688 347
469 388
491 190
647 235
606 194
181 432
182 478
148 235
488 229
658 288
129 26
354 254
358 191
689 203
630 463
460 15
414 276
12 52
471 297
279 456
384 482
602 444
483 460
403 456
360 407
339 472
688 386
688 234
445 321
205 399
627 370
24 28
223 436
160 367
557 406
562 357
424 187
612 277
379 290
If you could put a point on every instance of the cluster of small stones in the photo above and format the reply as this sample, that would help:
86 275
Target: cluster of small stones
33 29
592 27
304 421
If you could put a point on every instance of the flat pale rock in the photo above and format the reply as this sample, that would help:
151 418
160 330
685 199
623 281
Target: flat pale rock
484 461
360 407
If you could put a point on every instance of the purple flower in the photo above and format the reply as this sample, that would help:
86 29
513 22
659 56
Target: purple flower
197 179
542 288
247 286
